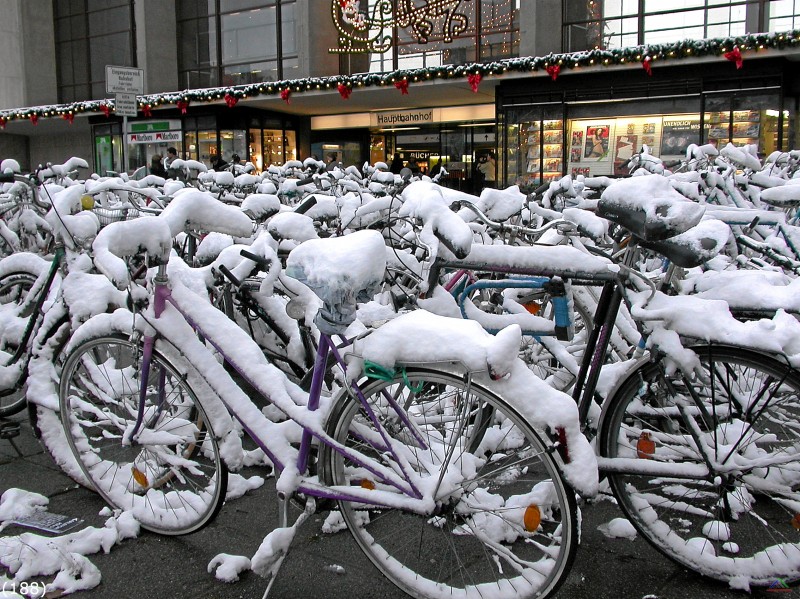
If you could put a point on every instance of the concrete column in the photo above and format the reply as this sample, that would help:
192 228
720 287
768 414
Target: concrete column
38 41
752 20
316 33
540 27
156 44
12 79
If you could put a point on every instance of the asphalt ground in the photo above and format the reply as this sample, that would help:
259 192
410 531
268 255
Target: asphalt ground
319 566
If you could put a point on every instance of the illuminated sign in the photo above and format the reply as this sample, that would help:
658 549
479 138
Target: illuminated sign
371 30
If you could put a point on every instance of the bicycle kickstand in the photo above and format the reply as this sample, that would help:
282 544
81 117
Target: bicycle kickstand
274 548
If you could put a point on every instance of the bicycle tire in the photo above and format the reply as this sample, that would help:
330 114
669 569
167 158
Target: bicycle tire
172 476
738 524
464 547
14 289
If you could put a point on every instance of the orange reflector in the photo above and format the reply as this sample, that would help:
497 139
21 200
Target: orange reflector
532 518
367 484
532 307
139 476
796 521
645 446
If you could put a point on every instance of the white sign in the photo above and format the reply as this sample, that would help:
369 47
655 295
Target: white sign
404 118
155 137
125 104
124 80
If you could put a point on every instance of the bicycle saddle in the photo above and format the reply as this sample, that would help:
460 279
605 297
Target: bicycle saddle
649 207
341 271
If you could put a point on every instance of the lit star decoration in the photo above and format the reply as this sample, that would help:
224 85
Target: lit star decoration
735 55
597 59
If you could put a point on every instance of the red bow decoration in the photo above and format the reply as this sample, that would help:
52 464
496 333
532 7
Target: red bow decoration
3 122
146 111
344 90
183 105
231 100
735 55
106 109
474 81
34 118
647 66
286 93
553 70
402 85
68 116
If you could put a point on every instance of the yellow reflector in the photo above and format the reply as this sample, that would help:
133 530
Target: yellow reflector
645 446
532 518
87 202
796 521
367 484
139 476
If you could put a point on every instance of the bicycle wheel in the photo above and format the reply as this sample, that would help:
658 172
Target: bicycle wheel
505 524
14 315
740 522
170 475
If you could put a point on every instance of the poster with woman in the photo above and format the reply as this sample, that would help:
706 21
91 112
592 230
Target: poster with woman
596 142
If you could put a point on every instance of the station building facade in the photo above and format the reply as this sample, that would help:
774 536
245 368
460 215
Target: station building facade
552 86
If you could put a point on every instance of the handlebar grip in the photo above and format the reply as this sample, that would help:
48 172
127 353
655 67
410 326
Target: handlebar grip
305 181
306 205
6 177
229 275
542 188
263 262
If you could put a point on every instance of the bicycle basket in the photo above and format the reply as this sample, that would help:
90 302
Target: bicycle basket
107 216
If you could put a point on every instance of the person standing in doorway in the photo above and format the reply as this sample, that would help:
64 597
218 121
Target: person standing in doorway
397 164
487 165
172 156
156 167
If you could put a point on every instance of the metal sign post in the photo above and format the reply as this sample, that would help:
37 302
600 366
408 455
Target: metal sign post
125 83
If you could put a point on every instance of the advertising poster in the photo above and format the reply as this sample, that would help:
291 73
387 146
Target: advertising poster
624 149
677 135
597 137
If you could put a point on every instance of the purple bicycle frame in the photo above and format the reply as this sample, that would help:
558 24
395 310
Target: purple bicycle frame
326 348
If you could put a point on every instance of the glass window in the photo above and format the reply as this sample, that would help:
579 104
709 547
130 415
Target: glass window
89 35
479 31
619 23
250 49
249 35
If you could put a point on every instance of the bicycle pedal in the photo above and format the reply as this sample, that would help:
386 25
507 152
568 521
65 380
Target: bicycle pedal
9 429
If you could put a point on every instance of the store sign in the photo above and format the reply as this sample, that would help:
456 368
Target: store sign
124 80
125 104
404 118
418 139
143 126
155 137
